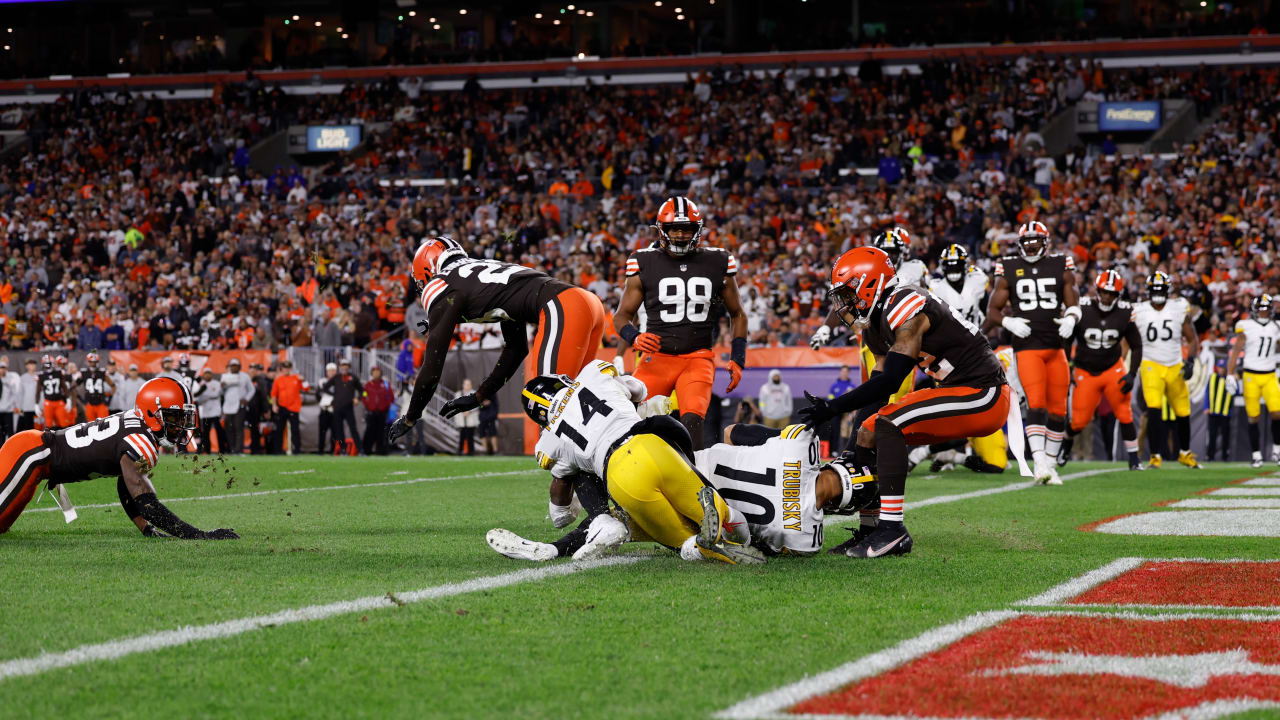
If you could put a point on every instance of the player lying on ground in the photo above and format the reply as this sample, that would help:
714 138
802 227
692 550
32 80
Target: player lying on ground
122 445
1099 365
1255 344
456 288
684 289
773 477
646 464
971 399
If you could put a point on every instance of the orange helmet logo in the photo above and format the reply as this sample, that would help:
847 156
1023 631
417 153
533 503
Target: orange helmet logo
1110 281
859 279
680 224
426 261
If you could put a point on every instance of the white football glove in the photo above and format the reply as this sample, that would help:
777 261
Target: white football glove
562 515
1066 326
820 338
1233 384
654 406
1019 327
620 364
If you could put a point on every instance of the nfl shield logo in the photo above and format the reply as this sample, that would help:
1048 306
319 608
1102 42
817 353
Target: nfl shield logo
684 268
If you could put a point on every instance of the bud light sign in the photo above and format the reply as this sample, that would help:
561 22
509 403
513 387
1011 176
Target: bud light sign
332 138
1122 116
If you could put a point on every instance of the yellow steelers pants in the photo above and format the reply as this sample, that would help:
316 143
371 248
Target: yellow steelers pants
1160 381
1258 388
659 489
869 364
992 449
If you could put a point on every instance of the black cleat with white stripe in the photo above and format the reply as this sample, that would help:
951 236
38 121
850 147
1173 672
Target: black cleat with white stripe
888 538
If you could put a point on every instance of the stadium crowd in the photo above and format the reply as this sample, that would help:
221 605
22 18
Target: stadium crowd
133 222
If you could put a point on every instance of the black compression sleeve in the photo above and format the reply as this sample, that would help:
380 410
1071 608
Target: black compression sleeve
515 348
749 435
877 389
154 512
629 333
591 493
738 352
1134 338
438 339
126 500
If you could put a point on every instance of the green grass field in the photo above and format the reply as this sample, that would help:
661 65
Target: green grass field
656 638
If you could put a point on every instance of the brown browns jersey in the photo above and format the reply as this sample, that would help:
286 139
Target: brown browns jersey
683 295
54 385
94 383
1036 292
93 449
485 291
953 351
1098 335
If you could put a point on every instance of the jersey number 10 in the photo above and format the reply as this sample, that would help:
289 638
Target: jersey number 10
685 300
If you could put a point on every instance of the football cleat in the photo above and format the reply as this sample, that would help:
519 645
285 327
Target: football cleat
505 542
1135 465
1155 462
1045 472
886 538
711 540
860 533
1257 460
604 535
916 456
1188 458
938 466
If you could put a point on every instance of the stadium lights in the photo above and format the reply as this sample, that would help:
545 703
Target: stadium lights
679 17
436 26
11 30
6 47
537 16
463 11
337 29
400 18
657 3
556 21
431 20
590 14
581 11
413 13
345 36
286 22
570 7
317 23
295 18
679 10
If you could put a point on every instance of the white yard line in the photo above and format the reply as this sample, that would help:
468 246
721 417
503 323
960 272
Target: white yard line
308 471
774 702
1262 481
1254 491
116 649
1073 587
358 486
945 499
1226 503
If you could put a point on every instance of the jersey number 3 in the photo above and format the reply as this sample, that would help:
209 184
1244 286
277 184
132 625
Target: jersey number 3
86 434
683 299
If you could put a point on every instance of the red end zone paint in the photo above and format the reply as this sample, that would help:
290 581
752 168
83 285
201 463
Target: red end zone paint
1222 584
1075 667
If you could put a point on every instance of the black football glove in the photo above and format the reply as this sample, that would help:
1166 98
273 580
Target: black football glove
398 429
221 534
818 412
460 404
1188 367
1126 383
151 531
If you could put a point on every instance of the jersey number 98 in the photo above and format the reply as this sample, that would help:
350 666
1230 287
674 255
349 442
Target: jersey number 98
685 300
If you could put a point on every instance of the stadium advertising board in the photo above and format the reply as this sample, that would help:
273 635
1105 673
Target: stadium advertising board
1127 116
332 138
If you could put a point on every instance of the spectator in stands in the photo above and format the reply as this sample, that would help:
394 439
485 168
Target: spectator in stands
377 400
10 389
208 398
466 423
844 431
286 403
237 393
775 401
28 403
487 429
345 389
115 403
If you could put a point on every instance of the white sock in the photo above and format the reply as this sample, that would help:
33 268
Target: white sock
1035 438
1052 443
918 455
689 550
741 532
1275 452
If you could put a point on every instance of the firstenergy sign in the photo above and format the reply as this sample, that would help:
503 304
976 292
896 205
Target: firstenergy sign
1121 116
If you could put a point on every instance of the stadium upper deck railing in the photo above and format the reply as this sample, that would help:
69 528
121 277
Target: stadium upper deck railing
1233 50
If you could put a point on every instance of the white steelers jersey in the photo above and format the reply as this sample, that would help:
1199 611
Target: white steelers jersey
968 299
911 272
1260 340
773 485
587 417
1161 330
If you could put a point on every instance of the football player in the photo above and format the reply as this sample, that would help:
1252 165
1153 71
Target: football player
1164 324
95 389
646 464
1099 363
53 387
774 477
1255 344
682 286
456 288
971 398
123 446
896 243
1036 300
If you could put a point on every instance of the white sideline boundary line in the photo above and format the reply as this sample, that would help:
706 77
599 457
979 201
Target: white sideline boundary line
116 649
1246 491
282 491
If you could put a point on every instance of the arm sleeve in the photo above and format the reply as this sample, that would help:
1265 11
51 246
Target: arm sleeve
515 349
443 319
1134 338
877 388
130 507
154 512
